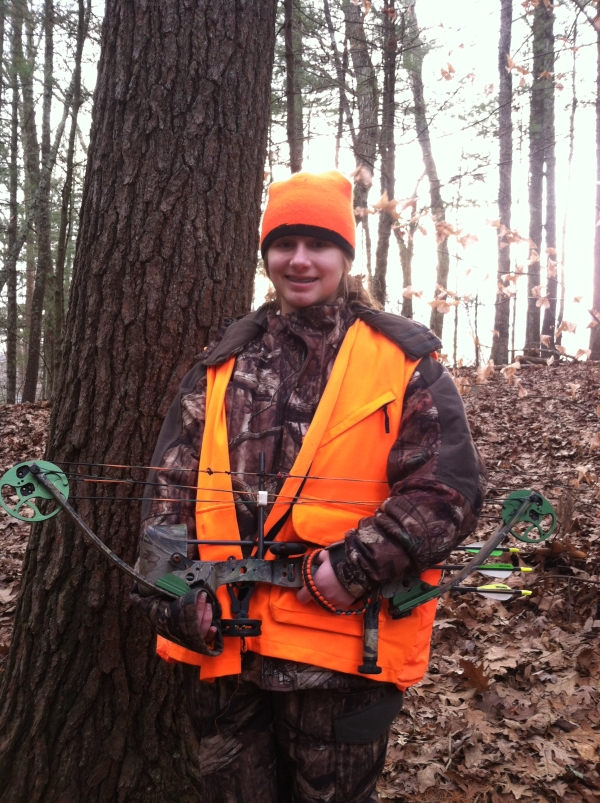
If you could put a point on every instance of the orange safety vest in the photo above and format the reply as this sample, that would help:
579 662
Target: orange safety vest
346 438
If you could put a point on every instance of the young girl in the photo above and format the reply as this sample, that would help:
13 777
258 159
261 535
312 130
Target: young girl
368 460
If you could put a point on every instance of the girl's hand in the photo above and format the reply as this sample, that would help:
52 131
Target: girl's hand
205 614
327 583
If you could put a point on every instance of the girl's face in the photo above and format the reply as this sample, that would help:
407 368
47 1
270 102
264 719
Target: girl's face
305 271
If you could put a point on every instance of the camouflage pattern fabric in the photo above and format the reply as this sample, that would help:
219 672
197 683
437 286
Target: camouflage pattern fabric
275 389
256 744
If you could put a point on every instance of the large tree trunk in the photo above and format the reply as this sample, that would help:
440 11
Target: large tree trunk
413 55
44 260
595 332
293 92
65 209
166 249
11 267
502 313
387 149
541 138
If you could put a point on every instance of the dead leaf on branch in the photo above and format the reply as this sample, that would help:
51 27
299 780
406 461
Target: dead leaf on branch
408 292
565 326
467 239
362 175
385 205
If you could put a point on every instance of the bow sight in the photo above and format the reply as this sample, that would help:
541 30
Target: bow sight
33 485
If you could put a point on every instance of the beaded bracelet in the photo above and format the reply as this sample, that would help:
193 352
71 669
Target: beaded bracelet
312 589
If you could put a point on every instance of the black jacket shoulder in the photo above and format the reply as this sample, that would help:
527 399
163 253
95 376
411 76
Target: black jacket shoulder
415 339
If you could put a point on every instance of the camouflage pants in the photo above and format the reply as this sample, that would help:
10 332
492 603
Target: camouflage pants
301 746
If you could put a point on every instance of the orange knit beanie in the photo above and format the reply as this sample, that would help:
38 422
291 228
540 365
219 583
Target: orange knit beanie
310 205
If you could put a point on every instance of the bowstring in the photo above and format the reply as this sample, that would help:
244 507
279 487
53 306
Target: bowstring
274 498
210 471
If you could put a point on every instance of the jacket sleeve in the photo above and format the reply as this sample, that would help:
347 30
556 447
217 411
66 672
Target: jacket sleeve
437 481
169 498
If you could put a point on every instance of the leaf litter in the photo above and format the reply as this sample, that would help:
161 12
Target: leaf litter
510 708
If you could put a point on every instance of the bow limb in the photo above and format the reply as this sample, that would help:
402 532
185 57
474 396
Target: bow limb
92 537
432 592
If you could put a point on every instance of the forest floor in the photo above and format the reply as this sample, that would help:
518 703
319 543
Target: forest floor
510 707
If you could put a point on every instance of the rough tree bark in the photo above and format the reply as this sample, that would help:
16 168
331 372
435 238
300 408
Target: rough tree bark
293 92
413 56
166 249
387 149
367 134
541 142
44 257
502 313
63 231
11 267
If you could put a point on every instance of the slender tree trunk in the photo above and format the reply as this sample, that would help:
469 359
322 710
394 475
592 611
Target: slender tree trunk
413 56
405 237
2 29
502 313
595 332
293 92
387 149
563 255
340 70
44 261
11 283
25 66
406 249
549 319
30 252
67 190
44 176
367 135
166 249
342 84
541 146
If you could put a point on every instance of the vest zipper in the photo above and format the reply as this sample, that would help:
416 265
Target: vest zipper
386 418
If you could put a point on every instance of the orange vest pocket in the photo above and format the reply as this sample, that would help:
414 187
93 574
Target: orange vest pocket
287 609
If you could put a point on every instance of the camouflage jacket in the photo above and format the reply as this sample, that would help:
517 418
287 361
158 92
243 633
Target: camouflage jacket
436 477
